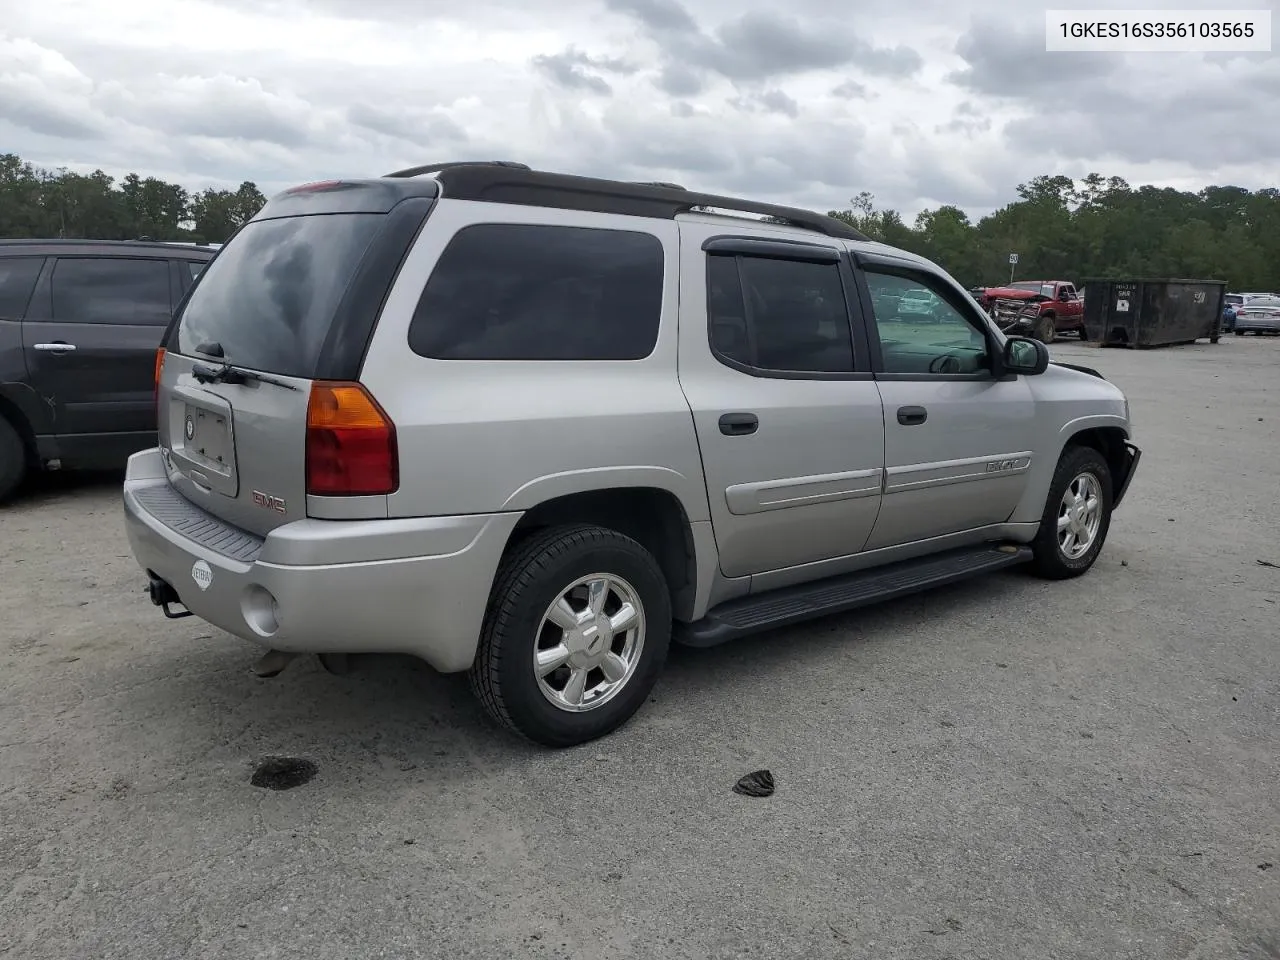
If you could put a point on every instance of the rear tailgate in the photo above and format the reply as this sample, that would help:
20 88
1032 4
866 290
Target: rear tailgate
290 300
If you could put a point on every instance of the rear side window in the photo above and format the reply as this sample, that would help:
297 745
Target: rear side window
270 296
116 290
533 292
17 280
779 315
194 267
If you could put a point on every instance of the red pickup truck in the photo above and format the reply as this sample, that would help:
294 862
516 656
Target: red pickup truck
1038 308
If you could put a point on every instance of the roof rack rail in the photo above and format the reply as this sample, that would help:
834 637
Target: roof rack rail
437 167
517 184
659 183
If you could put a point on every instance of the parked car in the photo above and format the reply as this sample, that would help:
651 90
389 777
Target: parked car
534 426
80 321
1258 315
1037 308
916 305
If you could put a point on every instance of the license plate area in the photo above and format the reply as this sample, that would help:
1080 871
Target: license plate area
200 431
206 439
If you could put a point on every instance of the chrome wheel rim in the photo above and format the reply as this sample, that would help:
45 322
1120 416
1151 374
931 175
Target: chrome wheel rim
1079 516
589 643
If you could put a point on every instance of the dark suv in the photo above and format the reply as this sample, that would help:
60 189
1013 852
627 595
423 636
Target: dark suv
80 321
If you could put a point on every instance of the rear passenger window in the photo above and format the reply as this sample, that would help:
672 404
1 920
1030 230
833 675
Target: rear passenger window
532 292
779 315
115 290
17 280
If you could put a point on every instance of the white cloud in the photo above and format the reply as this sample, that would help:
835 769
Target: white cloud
807 104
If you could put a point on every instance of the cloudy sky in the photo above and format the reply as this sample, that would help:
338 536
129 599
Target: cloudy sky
921 102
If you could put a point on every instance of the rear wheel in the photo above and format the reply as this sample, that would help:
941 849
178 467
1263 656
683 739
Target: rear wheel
13 459
575 634
1076 517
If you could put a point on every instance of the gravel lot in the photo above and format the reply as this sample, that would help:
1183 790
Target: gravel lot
1006 768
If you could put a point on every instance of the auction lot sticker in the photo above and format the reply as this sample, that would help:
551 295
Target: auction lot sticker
202 574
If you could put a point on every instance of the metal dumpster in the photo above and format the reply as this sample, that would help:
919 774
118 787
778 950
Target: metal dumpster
1153 313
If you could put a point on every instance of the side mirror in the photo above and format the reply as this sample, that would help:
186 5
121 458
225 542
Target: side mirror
1024 355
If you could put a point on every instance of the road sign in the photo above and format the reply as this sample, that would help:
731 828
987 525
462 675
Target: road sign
1013 258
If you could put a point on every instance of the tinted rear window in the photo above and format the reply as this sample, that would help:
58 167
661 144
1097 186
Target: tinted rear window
17 280
532 292
271 294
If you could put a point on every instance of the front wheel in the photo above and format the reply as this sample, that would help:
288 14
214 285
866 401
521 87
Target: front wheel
1045 330
1076 517
575 634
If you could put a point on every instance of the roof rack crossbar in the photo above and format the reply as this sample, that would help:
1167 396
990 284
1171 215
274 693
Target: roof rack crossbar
437 167
517 184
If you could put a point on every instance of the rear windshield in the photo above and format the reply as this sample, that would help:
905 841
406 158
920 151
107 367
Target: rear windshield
269 297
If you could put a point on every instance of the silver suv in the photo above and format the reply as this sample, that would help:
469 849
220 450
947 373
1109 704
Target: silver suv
536 427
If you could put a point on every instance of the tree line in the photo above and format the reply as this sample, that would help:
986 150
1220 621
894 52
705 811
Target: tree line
1061 229
35 202
1098 227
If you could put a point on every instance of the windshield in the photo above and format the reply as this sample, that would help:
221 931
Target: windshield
1044 289
1269 303
269 298
1234 300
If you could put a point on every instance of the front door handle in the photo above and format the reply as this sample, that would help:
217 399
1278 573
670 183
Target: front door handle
912 416
58 346
739 424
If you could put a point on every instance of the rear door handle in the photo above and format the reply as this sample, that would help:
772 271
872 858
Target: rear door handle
58 346
912 416
739 424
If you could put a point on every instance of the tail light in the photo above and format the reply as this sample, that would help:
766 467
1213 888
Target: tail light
155 396
351 443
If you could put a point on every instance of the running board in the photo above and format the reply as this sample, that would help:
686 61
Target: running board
788 605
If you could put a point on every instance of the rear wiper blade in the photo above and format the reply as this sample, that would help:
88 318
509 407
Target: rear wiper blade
226 373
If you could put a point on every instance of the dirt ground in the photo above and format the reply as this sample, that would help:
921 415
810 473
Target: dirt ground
1003 769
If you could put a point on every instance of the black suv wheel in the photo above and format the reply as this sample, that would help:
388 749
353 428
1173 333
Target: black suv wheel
575 634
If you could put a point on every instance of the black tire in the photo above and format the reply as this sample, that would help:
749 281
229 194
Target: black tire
529 580
1051 562
13 460
1046 330
1239 333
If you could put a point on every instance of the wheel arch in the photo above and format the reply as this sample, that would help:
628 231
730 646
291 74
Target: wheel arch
652 516
1103 432
12 413
1109 441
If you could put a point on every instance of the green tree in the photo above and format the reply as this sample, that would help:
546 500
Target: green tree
59 203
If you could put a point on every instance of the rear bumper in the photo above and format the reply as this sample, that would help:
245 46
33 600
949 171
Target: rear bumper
1131 457
414 585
